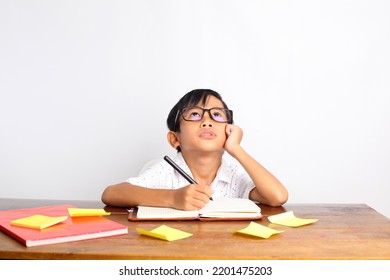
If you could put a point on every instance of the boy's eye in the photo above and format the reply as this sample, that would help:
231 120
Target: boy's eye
219 116
193 114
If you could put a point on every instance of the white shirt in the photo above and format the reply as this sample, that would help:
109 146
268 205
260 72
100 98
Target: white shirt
231 180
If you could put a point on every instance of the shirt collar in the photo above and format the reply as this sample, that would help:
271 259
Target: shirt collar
223 173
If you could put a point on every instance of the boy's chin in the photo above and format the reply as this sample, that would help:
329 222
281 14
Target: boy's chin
211 148
219 151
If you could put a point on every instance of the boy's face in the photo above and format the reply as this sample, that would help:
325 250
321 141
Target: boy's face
205 135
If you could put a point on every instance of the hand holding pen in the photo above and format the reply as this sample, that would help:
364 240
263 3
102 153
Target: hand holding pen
181 171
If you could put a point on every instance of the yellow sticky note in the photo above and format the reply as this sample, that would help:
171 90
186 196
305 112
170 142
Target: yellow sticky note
87 212
289 219
38 221
165 233
258 230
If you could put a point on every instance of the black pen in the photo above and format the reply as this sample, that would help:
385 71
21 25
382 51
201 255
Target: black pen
181 171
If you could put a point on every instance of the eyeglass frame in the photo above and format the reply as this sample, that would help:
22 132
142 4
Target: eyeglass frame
179 112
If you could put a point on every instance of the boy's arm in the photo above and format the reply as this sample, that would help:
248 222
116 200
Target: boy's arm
127 195
268 190
191 197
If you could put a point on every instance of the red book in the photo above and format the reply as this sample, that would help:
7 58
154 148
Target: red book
72 229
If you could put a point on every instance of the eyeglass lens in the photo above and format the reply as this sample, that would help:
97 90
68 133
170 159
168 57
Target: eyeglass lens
196 114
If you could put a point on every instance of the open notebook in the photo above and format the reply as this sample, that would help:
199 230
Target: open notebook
218 209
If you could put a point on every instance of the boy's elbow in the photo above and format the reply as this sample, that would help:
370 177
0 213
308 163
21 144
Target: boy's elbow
106 195
281 198
277 198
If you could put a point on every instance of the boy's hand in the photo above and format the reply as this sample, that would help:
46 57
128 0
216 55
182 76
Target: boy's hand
192 197
233 138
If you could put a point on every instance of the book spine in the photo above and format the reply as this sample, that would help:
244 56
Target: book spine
16 237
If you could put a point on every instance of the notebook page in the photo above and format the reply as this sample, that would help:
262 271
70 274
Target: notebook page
147 212
230 205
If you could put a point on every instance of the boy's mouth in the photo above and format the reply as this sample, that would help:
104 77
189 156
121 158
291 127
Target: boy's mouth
207 134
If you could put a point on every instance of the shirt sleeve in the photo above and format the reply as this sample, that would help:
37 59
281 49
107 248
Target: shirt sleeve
151 176
158 175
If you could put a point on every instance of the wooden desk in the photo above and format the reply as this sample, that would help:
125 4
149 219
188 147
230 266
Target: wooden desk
344 231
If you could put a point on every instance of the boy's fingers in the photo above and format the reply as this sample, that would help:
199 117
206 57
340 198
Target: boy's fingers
229 128
205 192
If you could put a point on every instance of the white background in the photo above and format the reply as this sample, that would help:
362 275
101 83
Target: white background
86 87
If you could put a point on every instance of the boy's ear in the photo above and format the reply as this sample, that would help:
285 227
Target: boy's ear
173 139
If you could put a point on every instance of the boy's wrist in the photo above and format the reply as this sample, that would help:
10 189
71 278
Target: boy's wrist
171 198
236 152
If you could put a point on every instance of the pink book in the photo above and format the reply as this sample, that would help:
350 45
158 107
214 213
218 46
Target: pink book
72 229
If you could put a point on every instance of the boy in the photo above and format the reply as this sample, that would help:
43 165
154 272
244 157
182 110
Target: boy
201 129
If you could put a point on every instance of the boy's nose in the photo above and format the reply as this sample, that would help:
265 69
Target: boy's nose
206 121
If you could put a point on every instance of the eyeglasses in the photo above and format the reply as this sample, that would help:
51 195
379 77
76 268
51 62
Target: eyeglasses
195 114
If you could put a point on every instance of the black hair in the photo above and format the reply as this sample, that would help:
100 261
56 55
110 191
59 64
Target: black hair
192 98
